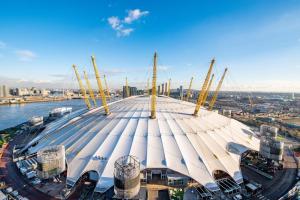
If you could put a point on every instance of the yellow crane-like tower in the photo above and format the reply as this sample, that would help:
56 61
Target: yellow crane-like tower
127 88
90 88
189 90
103 97
86 99
207 90
107 89
153 96
204 86
169 87
214 98
148 92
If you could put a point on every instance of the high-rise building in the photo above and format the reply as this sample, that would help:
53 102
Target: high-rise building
132 91
181 92
4 91
162 89
166 88
158 89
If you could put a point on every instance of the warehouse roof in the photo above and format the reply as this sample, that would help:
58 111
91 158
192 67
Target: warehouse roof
177 140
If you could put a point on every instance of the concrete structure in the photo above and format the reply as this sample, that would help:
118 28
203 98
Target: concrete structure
162 88
195 147
51 161
268 131
271 148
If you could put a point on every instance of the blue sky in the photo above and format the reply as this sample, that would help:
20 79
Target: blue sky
259 41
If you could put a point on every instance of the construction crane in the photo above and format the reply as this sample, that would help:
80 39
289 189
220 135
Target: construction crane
214 98
204 86
90 88
85 97
127 88
153 96
189 90
107 89
207 90
169 87
103 97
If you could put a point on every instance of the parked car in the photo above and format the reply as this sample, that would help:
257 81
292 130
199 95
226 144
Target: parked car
36 181
9 190
15 193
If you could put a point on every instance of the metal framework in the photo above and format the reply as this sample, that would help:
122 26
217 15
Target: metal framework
90 88
103 97
214 98
207 90
106 85
204 86
85 97
189 90
153 96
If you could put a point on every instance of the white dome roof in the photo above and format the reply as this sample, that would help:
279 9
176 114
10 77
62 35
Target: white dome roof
177 140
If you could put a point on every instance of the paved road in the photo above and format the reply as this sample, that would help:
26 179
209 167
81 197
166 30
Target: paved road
282 181
13 178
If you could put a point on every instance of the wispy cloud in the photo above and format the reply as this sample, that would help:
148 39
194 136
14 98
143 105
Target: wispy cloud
2 44
121 26
163 67
135 15
25 55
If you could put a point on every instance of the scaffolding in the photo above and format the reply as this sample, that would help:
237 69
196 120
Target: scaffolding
127 177
51 161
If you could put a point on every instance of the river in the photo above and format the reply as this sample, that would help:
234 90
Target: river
12 115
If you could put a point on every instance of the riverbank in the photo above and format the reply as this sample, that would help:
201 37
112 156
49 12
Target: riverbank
16 101
15 114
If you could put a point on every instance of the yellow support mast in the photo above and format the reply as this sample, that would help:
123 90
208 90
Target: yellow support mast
90 88
153 96
103 97
214 98
86 99
127 88
169 87
204 86
189 90
107 89
207 90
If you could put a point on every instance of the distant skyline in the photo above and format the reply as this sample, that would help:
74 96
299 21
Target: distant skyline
259 41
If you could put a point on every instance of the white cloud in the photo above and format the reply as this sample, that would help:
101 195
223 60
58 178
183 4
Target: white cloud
120 26
114 22
135 15
2 45
124 32
25 55
163 67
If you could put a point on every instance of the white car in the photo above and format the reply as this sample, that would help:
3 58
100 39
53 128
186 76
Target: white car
15 193
9 190
36 181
